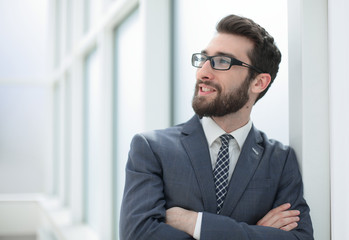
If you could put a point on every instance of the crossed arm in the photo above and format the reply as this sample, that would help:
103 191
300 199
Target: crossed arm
144 214
280 217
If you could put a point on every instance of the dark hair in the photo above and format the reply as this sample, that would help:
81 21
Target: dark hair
265 54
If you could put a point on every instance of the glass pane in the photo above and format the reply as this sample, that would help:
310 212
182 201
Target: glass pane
91 13
67 140
56 139
69 26
92 139
128 97
191 37
58 25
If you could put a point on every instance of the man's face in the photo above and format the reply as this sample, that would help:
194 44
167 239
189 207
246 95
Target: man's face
218 93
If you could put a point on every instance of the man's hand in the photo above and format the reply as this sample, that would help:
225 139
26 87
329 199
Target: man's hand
281 218
181 219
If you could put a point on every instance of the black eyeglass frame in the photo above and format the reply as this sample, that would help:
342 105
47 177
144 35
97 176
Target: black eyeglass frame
233 62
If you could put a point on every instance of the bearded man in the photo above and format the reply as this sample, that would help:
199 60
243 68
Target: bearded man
217 176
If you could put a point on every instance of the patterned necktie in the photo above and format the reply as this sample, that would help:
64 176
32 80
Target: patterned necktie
221 171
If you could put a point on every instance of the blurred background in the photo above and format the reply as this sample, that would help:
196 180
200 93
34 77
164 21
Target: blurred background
78 78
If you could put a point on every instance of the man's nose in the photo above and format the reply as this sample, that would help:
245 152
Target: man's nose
206 71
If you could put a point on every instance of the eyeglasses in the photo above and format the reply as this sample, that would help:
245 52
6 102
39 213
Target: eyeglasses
219 62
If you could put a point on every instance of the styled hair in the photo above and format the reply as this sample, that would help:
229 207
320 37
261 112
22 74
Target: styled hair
265 54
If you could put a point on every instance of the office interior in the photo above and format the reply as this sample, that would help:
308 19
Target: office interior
79 78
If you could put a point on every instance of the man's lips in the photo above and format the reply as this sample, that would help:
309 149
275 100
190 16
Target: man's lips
205 89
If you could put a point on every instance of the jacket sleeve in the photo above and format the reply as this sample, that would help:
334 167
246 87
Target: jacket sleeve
290 190
143 206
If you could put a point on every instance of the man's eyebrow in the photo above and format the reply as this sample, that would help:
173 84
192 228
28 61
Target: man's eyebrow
220 53
226 54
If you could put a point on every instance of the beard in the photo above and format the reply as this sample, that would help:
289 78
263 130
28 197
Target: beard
222 104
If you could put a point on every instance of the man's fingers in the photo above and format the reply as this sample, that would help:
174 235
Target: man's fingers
285 214
280 217
280 208
282 222
289 227
268 218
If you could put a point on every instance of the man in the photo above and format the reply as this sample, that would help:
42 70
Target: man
217 176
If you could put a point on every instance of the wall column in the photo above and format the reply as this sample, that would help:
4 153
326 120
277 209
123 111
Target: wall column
309 105
339 116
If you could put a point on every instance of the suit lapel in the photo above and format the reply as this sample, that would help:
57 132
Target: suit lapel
195 144
246 166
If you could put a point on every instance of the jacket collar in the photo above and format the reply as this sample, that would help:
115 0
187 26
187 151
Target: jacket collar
248 161
195 144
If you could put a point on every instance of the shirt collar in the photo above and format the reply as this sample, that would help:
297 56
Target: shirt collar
213 131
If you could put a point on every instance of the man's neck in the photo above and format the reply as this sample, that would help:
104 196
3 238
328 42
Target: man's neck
232 121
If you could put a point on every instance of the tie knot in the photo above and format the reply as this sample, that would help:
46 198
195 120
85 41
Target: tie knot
225 138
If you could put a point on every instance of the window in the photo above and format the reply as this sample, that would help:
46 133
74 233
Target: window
56 140
67 139
91 13
92 142
57 33
129 115
69 26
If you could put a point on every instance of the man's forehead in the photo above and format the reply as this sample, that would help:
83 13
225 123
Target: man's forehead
220 53
229 44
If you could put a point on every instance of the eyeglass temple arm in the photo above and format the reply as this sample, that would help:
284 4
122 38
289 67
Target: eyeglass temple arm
252 67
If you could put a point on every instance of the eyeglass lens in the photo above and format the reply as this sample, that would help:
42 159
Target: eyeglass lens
217 62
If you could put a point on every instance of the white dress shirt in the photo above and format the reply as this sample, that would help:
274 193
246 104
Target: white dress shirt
213 132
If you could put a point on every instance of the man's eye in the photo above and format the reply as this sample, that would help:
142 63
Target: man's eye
224 61
199 58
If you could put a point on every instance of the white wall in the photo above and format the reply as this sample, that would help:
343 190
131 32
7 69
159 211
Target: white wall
339 116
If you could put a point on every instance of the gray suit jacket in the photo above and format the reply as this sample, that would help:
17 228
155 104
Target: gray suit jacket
172 167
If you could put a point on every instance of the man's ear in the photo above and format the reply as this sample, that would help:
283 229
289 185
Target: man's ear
260 83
